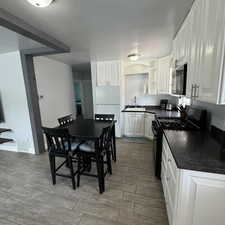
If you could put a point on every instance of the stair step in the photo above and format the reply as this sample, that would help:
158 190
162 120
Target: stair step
2 130
4 140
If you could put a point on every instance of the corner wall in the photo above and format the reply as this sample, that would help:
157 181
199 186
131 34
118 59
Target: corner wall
55 89
15 106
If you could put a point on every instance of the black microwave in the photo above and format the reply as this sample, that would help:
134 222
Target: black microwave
179 80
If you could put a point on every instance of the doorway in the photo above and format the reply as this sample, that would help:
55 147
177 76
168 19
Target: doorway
78 102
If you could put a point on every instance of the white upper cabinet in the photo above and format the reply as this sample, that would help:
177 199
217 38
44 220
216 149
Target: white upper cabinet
164 75
108 73
213 18
200 42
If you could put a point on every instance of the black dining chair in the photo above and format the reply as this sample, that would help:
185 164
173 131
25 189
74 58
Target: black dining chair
97 152
65 120
108 117
60 146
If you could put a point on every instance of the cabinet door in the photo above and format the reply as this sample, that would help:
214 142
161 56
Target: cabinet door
108 73
190 61
139 125
130 124
203 199
164 75
213 50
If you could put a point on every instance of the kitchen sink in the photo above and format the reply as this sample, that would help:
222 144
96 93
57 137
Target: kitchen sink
135 109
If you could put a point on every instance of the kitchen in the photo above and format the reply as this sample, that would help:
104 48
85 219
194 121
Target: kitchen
156 68
188 142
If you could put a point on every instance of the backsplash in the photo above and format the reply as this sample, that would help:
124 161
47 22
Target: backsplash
154 99
216 113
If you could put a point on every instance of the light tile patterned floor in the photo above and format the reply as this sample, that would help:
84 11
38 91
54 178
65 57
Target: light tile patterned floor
133 195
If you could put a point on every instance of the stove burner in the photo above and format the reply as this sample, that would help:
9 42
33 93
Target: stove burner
175 124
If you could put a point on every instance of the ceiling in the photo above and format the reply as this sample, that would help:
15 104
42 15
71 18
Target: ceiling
106 29
11 41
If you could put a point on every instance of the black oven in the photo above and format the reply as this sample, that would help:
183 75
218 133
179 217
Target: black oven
157 147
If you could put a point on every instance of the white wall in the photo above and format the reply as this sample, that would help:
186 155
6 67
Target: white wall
55 84
15 106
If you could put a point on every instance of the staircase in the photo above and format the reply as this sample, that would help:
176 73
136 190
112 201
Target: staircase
5 140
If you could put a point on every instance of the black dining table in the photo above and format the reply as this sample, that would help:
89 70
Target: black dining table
89 129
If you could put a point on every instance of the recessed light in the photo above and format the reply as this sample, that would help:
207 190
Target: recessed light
40 3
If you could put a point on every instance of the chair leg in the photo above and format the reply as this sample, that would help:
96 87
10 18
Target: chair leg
112 152
99 163
78 169
72 172
102 172
114 142
52 167
108 159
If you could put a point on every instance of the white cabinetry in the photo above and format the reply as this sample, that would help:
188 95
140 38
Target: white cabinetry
134 124
164 75
108 73
201 199
192 197
170 178
138 125
201 43
212 50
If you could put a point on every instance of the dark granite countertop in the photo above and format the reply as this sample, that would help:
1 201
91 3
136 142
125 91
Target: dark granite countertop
195 150
156 110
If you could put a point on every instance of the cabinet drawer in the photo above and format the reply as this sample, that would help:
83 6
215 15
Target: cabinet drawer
171 185
172 165
165 145
166 153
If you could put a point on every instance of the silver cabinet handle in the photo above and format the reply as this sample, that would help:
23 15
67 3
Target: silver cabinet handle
192 88
197 90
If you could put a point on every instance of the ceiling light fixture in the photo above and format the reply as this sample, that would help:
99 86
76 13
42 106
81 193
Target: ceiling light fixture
133 57
40 3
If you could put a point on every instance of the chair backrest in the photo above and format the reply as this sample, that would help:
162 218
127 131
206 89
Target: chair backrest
105 139
104 117
65 120
58 140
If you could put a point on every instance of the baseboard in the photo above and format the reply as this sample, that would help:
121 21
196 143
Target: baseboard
11 148
8 148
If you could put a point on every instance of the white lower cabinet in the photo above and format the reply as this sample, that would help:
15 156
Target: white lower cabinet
192 197
134 124
138 125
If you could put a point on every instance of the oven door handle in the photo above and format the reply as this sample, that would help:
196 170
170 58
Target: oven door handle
155 129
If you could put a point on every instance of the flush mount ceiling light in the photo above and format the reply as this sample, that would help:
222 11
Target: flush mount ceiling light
133 57
40 3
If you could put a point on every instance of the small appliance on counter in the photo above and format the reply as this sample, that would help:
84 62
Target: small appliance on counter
170 107
163 104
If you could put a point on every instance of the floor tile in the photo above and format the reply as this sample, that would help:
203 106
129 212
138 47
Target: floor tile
133 195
